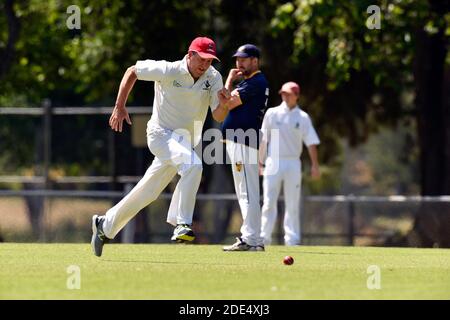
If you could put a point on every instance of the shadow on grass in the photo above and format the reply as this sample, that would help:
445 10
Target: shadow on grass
322 253
173 262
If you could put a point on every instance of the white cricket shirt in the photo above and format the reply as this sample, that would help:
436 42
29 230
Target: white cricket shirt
180 103
294 127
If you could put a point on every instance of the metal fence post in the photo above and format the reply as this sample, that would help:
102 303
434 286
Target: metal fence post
351 221
130 228
112 159
47 119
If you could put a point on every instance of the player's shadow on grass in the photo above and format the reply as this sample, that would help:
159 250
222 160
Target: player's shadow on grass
142 261
325 253
165 262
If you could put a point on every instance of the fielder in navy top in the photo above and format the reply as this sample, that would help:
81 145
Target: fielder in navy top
241 129
253 93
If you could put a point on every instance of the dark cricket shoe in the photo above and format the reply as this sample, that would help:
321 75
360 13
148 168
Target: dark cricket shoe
183 233
260 248
239 245
98 236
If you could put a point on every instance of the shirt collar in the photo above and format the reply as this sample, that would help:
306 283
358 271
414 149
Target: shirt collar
254 73
184 66
286 108
185 69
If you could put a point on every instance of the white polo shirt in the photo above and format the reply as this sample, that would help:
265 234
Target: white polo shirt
179 102
294 127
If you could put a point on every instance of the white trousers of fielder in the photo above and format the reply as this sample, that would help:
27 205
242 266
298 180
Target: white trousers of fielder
173 154
244 163
289 175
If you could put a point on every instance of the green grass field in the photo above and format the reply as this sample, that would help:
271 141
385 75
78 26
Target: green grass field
204 272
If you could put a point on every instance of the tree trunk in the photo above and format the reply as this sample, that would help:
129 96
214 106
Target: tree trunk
432 222
7 55
35 212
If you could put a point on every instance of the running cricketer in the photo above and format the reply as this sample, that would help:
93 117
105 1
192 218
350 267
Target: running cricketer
295 129
183 92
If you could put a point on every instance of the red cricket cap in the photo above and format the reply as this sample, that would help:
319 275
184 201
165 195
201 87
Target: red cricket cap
290 87
205 47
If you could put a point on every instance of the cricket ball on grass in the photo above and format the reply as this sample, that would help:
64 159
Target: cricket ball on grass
288 260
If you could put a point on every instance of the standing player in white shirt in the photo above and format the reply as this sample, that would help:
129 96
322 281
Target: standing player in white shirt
295 128
183 92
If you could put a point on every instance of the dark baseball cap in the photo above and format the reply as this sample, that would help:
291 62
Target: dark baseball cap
247 51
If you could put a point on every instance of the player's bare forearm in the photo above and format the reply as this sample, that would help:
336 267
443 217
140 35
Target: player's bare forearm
262 152
229 83
315 171
312 150
127 83
120 112
235 100
221 111
233 75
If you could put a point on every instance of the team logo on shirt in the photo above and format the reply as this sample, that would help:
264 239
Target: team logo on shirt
239 166
176 84
297 125
207 85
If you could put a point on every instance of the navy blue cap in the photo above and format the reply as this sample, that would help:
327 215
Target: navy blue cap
247 51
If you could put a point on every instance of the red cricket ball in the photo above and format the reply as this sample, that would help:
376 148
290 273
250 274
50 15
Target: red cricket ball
288 260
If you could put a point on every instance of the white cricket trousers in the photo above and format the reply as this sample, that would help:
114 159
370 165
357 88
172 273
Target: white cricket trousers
244 163
289 174
173 154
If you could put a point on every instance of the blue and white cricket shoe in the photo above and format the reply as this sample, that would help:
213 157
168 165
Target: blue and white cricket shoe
98 236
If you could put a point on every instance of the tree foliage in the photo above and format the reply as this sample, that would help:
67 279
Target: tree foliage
354 79
363 74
